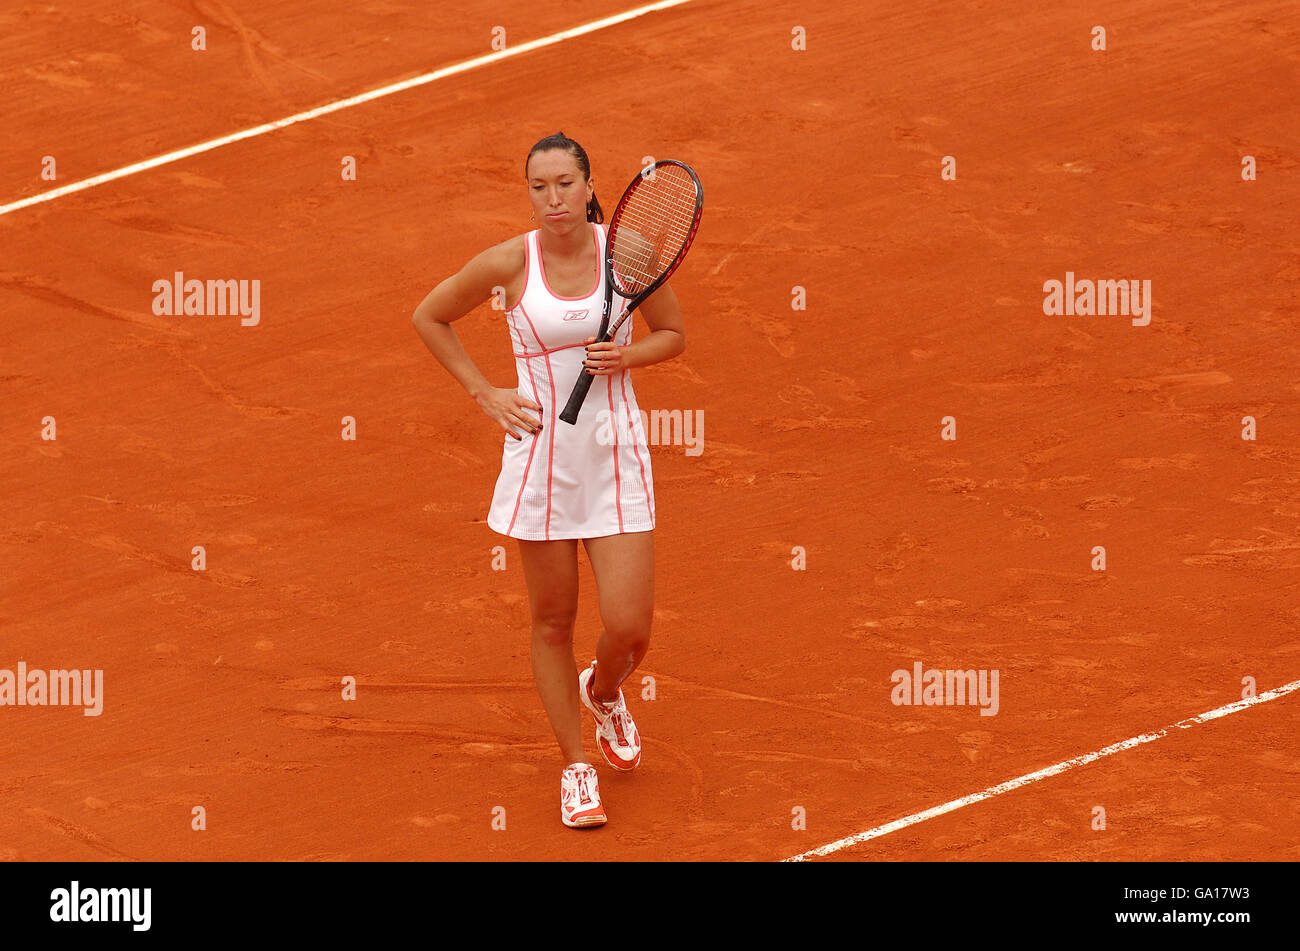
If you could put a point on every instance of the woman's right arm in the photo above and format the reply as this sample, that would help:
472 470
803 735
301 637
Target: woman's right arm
453 299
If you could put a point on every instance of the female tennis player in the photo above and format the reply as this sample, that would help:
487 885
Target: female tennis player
560 483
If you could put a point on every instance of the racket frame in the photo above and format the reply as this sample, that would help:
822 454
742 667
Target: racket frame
585 379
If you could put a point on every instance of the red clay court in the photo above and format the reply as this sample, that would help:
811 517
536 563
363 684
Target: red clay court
329 558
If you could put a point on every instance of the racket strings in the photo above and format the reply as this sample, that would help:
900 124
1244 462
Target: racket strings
653 227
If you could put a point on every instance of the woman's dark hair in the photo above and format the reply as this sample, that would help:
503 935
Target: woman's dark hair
565 144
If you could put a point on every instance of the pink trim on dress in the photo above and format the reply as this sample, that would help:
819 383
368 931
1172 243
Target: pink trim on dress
644 484
618 484
550 460
541 266
541 353
540 345
522 485
528 260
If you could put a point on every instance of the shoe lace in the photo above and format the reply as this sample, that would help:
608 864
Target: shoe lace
620 719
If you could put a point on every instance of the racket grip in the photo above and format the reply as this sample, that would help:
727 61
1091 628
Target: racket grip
570 414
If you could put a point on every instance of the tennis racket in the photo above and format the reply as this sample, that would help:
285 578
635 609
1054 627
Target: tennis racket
651 231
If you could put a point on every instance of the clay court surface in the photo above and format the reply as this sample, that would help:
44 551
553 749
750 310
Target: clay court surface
821 168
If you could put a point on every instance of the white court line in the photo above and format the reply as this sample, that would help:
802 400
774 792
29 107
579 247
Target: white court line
1043 773
336 106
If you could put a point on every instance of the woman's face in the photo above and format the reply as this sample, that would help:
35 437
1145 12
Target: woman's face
558 191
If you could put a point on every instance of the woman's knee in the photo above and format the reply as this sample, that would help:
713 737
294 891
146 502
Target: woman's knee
629 633
554 630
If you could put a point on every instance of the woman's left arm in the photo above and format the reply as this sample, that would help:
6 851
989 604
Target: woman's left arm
667 338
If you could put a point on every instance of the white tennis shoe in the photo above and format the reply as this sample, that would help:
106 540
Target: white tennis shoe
580 804
616 734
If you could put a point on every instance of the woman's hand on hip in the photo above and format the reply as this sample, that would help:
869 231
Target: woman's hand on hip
510 410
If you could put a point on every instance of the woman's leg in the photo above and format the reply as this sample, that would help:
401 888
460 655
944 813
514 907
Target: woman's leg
551 571
624 566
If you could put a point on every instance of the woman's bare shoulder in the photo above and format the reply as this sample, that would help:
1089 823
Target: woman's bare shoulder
508 257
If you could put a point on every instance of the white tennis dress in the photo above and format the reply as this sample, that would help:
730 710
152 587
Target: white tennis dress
589 479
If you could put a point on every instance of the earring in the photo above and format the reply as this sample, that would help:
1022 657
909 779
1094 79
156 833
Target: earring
531 217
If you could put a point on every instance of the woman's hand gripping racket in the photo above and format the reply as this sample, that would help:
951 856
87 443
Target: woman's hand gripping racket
651 231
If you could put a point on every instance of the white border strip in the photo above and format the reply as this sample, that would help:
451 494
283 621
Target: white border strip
336 106
1025 780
